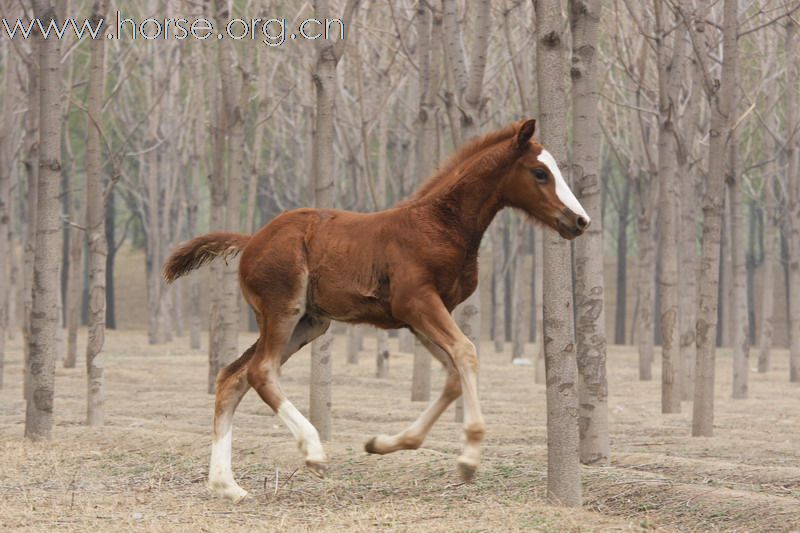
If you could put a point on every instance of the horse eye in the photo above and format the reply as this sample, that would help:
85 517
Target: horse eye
541 176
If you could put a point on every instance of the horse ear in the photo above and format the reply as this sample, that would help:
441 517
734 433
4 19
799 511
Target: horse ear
525 133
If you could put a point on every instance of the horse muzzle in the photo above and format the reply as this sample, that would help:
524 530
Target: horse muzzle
571 225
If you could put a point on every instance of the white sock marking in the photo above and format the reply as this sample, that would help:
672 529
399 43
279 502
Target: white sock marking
304 432
563 191
220 469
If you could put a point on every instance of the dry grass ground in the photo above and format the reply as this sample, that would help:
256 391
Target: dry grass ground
145 471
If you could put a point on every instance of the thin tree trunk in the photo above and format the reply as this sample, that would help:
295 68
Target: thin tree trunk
111 241
538 279
621 310
74 285
32 122
44 314
218 128
234 99
95 228
6 162
324 81
720 96
670 76
429 59
739 336
521 297
589 286
646 290
563 466
355 343
499 283
793 178
768 268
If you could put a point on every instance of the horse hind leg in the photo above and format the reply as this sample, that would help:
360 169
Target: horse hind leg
231 387
283 338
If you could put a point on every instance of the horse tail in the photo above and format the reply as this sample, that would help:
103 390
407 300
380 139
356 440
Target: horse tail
201 250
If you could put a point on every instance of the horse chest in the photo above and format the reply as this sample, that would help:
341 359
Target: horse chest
460 285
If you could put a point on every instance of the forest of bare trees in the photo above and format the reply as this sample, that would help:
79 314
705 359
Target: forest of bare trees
675 122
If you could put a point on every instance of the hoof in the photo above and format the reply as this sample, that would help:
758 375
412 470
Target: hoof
234 493
318 469
369 446
466 470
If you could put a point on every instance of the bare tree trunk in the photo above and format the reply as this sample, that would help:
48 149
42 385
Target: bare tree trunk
32 122
720 95
467 82
563 466
646 289
95 228
538 279
74 284
382 355
793 193
688 239
192 187
44 315
355 343
234 99
521 296
589 286
324 81
216 222
621 310
6 162
499 283
771 235
429 59
670 76
739 323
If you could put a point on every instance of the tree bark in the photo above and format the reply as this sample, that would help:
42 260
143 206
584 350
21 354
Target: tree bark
234 99
95 229
771 259
720 95
521 296
538 304
563 466
498 283
32 120
74 284
670 76
739 322
44 310
589 284
467 83
621 311
429 60
324 81
6 162
793 192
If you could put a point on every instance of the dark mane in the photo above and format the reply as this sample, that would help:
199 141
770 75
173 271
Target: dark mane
444 174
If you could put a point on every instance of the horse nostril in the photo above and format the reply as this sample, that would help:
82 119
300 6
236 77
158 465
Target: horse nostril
582 223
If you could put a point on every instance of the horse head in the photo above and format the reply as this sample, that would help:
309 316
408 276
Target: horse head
535 185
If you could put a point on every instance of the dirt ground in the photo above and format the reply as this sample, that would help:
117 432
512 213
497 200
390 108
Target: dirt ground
146 469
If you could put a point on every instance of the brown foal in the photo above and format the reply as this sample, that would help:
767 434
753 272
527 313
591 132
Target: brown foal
405 267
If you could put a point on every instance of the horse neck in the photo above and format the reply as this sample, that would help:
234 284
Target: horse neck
475 199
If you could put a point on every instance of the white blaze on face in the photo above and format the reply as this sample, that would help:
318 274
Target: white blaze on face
563 191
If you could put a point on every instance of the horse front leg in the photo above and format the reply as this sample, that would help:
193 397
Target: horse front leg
424 311
412 437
